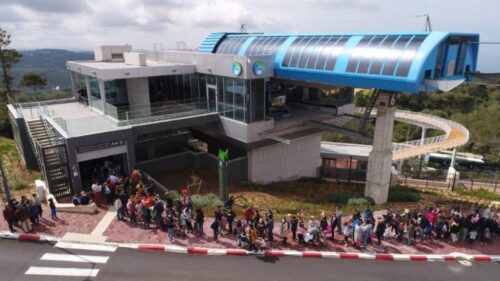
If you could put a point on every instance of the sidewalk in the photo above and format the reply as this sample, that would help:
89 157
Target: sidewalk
124 232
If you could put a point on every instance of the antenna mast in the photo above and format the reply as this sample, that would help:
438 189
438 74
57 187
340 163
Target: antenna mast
243 28
427 24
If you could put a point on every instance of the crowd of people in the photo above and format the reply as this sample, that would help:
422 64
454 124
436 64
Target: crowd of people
136 201
253 230
27 212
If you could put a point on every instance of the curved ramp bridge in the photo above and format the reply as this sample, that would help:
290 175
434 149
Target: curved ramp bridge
455 135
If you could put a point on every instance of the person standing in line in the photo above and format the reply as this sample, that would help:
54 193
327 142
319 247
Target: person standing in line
269 228
346 231
230 219
132 211
169 223
53 210
293 227
96 190
380 230
215 228
10 216
338 219
284 229
119 209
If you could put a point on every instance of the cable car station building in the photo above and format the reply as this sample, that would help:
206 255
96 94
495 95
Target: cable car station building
267 98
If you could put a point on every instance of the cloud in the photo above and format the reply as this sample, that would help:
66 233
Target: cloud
10 14
51 6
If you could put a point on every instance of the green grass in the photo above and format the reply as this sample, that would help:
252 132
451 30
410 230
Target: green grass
479 193
401 193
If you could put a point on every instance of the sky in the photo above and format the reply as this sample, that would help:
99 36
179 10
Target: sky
83 24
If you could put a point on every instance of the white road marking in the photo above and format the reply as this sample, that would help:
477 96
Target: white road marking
89 247
59 271
74 258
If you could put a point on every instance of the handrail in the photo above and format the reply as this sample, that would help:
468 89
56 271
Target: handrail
455 134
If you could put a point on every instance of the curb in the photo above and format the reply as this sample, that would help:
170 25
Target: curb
269 253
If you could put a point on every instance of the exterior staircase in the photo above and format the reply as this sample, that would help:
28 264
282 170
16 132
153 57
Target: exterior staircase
52 157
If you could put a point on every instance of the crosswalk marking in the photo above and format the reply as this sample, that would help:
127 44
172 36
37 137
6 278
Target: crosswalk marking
60 271
89 247
74 258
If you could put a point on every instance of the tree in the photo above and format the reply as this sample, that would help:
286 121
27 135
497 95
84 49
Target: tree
8 58
33 80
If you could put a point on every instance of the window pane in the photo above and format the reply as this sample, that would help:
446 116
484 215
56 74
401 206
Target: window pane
382 52
395 55
220 94
268 46
257 100
228 97
369 54
357 53
306 54
290 51
255 43
299 50
239 99
317 51
335 52
409 55
325 52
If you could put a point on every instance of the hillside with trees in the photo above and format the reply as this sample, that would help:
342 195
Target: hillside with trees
50 64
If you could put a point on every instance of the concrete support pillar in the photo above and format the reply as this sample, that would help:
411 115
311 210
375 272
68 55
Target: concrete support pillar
452 176
380 159
102 91
422 138
400 167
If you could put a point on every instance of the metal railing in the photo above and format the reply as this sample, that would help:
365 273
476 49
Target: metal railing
455 134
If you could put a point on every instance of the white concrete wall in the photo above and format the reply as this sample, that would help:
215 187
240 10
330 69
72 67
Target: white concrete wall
138 59
281 161
138 91
105 53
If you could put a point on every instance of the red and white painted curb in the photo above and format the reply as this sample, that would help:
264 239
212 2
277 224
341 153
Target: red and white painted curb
270 253
27 237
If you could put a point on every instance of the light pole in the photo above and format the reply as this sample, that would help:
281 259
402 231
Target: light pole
4 181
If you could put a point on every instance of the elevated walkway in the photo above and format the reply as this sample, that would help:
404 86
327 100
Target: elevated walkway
454 135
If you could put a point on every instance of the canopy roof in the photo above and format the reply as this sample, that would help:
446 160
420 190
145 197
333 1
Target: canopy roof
402 62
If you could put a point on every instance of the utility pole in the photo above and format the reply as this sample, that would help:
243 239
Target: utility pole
4 181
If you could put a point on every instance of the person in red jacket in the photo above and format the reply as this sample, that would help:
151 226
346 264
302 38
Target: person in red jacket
10 216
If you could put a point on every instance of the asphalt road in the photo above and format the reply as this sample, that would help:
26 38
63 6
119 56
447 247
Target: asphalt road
16 258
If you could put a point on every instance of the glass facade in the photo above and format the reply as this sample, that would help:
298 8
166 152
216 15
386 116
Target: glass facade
234 98
116 92
94 88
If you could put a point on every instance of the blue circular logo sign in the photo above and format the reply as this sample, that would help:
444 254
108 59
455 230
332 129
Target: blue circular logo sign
259 68
237 68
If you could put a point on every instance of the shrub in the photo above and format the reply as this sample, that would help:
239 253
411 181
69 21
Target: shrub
360 202
209 199
403 194
340 198
316 180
